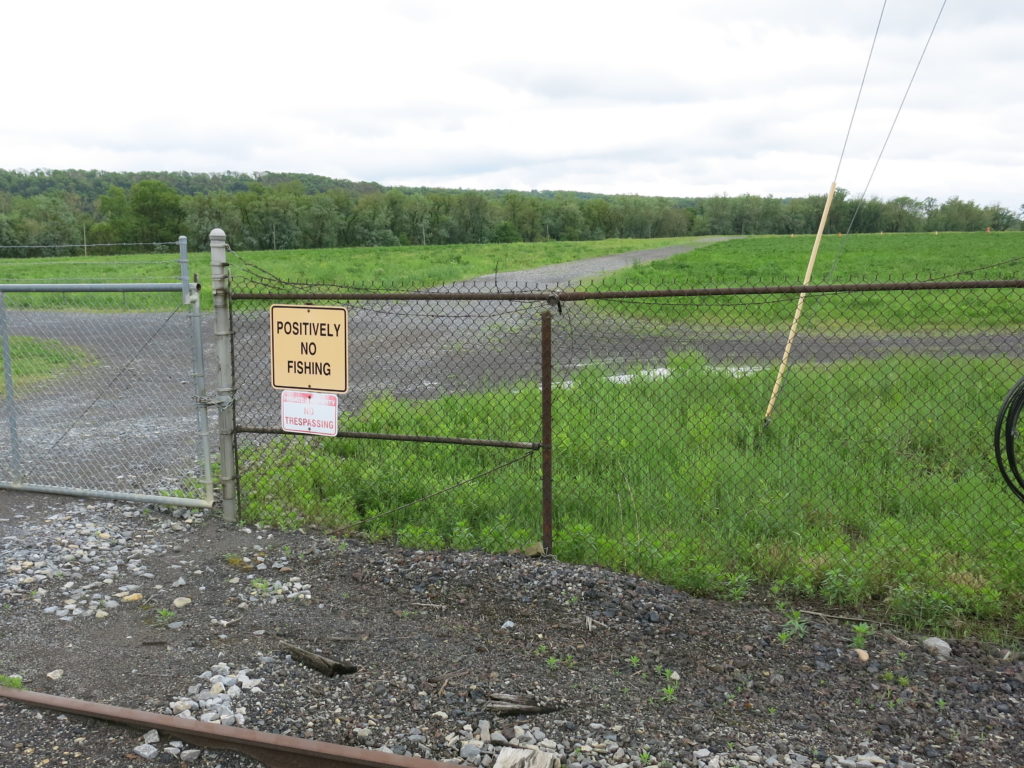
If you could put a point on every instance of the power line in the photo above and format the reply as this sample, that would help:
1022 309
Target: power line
896 117
860 91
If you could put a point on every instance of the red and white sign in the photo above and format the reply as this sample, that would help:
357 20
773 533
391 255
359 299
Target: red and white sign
309 413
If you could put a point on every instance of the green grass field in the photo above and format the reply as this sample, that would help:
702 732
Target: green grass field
770 261
406 267
760 261
675 479
36 360
874 487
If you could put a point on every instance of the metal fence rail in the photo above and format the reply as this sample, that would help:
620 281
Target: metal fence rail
104 389
873 483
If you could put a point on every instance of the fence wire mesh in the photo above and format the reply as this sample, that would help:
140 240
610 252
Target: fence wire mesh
873 482
99 394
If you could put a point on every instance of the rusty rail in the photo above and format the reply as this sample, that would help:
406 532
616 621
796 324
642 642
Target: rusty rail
272 749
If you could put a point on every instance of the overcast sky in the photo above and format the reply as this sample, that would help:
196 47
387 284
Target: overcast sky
679 98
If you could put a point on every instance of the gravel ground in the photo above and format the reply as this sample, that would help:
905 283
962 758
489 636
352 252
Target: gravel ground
179 614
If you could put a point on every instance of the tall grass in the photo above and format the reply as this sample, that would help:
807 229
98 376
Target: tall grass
765 261
875 486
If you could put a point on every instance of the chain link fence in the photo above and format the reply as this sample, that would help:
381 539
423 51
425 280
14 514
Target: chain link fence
102 381
873 482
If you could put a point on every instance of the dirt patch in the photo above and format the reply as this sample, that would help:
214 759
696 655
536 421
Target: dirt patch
637 673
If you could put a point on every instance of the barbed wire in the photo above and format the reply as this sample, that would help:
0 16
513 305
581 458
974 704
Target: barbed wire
88 245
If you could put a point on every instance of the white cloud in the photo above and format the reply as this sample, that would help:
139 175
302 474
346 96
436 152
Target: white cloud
681 98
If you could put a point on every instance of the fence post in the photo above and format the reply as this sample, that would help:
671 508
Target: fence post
183 267
545 428
190 295
12 416
226 373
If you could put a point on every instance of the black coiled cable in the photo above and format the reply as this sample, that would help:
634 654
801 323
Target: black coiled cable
1006 439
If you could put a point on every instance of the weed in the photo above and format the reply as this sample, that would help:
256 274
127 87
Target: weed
164 615
260 585
668 693
861 633
237 561
794 626
903 681
634 661
888 675
736 586
11 681
552 662
942 704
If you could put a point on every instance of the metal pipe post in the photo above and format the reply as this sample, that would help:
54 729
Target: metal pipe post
226 374
190 295
183 265
199 389
12 416
545 428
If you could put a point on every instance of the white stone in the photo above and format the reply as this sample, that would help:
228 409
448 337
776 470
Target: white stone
937 647
510 757
146 751
181 602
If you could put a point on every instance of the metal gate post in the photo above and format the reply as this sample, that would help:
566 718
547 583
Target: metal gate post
190 296
226 374
12 416
545 428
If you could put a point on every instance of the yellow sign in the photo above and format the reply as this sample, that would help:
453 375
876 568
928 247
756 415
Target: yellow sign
309 348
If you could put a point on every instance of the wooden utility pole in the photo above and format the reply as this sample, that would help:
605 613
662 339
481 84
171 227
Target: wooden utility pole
799 307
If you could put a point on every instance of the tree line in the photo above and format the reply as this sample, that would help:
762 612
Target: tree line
279 211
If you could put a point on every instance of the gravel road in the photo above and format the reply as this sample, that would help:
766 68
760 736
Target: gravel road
120 416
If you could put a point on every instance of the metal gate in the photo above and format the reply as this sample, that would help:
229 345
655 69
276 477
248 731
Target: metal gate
104 391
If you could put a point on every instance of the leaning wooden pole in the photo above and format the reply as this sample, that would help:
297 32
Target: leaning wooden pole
799 307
